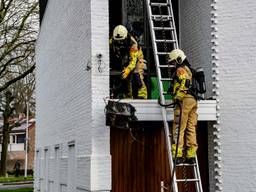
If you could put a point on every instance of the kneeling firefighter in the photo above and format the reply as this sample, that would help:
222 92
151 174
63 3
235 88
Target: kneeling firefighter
131 58
186 107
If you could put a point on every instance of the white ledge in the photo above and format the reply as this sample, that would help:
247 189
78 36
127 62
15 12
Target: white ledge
150 110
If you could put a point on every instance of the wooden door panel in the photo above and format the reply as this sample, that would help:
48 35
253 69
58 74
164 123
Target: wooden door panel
139 159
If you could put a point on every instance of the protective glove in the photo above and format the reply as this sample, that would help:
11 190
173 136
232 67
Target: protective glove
125 73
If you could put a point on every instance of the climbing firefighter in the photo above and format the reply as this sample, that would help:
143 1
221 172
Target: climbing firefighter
185 110
130 57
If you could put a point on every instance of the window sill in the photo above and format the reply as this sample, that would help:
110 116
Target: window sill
150 110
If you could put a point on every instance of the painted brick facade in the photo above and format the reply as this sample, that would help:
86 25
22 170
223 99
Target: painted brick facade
70 120
236 60
219 35
195 38
195 35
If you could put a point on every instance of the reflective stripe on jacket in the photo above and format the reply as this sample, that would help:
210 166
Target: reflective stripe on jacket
183 73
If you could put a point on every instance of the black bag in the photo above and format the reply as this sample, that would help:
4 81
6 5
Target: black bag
119 115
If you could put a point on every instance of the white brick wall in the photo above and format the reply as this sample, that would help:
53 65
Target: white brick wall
237 88
233 45
72 34
195 35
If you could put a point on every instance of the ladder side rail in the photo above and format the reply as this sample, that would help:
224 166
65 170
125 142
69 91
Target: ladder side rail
196 176
162 99
197 172
174 32
176 46
199 187
153 39
168 142
160 84
174 41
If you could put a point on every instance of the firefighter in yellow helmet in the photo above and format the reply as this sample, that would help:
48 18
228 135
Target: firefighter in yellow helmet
131 58
187 108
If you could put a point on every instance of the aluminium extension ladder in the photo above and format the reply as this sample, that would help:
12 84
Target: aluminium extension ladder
164 40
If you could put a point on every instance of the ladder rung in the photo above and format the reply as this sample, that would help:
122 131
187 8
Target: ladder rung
163 28
165 23
185 164
165 79
164 41
161 17
159 4
187 180
166 66
163 53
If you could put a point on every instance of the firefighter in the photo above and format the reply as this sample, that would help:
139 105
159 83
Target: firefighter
187 108
132 62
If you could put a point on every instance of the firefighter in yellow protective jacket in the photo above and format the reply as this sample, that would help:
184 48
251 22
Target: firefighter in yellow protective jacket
187 108
132 61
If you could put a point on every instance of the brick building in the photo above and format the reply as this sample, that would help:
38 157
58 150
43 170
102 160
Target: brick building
75 151
16 147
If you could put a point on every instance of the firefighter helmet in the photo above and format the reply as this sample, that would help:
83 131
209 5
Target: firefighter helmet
177 55
120 33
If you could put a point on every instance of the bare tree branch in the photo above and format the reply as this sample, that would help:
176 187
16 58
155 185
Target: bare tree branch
7 84
19 22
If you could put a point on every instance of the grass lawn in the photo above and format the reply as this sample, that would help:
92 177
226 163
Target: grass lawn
15 179
18 190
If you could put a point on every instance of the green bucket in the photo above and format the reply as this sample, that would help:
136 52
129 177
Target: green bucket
155 90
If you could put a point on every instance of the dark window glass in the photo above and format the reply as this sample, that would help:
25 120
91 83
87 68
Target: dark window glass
21 138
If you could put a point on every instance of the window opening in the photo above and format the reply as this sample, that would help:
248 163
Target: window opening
133 15
21 138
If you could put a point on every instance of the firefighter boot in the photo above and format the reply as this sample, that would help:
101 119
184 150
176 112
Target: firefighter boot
177 158
191 156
